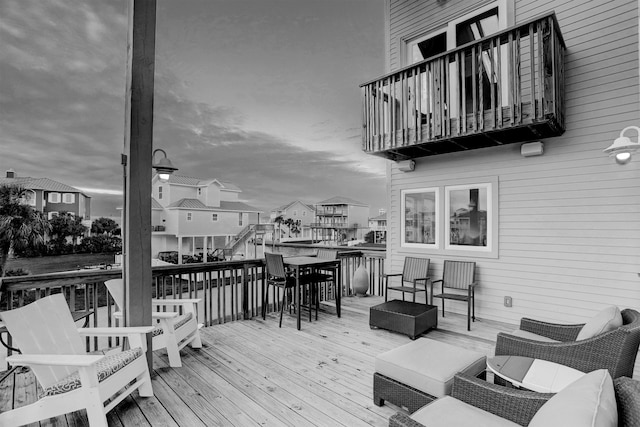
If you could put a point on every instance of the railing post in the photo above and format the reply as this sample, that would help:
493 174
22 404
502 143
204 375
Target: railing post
245 292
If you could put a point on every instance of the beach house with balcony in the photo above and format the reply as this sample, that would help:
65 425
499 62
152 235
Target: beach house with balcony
297 211
494 116
339 219
51 197
195 216
378 225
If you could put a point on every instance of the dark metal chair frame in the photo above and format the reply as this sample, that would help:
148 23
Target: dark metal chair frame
615 350
278 277
460 275
414 270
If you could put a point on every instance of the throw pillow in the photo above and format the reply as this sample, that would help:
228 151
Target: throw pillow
589 401
606 320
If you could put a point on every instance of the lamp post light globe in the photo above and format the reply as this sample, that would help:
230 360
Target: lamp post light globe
163 167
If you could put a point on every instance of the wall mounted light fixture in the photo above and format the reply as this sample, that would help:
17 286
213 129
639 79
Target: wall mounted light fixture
532 149
164 166
406 165
622 148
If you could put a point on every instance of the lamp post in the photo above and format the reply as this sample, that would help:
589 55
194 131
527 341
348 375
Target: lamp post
622 148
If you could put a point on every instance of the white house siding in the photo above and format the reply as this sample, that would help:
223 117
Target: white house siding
569 221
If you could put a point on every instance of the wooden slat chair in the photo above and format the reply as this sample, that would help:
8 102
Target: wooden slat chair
71 379
458 275
173 330
415 270
278 277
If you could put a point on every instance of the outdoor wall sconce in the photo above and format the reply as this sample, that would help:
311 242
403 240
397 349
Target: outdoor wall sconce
164 168
532 149
622 148
406 165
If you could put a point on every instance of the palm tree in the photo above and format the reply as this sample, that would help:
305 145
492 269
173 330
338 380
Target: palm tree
21 226
278 221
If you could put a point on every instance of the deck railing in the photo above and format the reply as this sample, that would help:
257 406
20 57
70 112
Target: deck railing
504 88
230 290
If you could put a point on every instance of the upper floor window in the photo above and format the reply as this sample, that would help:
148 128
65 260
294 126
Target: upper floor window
160 192
68 198
240 219
53 198
304 213
189 216
199 191
295 213
214 217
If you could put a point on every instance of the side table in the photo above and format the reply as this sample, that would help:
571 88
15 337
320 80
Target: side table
405 317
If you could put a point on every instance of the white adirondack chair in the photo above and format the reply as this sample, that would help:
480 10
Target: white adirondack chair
173 331
71 379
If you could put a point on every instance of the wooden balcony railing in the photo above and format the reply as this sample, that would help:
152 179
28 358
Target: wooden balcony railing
504 88
230 290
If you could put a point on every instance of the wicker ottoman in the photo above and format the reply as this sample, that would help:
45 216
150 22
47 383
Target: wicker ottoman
408 318
416 373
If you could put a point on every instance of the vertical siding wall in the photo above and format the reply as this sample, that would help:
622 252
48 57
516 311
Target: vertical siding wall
569 221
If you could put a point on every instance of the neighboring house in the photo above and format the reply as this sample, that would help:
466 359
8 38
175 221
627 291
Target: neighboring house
194 216
52 197
297 211
378 225
495 149
339 220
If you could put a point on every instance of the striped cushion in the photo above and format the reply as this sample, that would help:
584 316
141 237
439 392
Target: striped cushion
106 367
179 321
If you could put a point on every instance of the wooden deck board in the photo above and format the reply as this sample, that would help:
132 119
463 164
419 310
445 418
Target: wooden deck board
253 373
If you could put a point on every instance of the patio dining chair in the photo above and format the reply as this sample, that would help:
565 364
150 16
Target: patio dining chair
415 271
458 276
71 380
279 278
173 330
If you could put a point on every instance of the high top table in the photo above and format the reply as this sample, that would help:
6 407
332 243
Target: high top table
301 263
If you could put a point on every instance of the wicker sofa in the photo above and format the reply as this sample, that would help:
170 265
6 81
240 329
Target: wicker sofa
520 406
615 350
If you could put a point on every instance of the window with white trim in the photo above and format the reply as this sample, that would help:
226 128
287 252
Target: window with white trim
189 216
240 219
160 192
68 198
468 208
214 217
53 198
420 217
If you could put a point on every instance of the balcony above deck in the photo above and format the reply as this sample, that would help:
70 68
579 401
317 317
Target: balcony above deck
505 88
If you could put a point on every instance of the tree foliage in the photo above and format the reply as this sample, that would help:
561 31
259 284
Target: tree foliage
104 225
66 225
21 226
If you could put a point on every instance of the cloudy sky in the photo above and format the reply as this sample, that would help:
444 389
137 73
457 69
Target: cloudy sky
261 93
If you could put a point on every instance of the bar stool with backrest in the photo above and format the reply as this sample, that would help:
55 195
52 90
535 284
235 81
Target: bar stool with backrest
278 277
458 275
415 270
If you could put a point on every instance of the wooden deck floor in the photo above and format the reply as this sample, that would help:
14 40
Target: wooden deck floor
254 373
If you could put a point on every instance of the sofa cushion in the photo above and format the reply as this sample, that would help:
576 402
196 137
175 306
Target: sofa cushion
448 411
628 398
530 335
589 401
606 320
429 365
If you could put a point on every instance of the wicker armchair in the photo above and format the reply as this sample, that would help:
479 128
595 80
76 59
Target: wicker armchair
615 350
519 406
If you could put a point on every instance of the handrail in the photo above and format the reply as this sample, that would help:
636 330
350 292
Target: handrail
230 290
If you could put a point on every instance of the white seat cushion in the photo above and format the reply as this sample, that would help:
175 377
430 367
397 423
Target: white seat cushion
606 320
429 365
447 412
530 335
589 401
